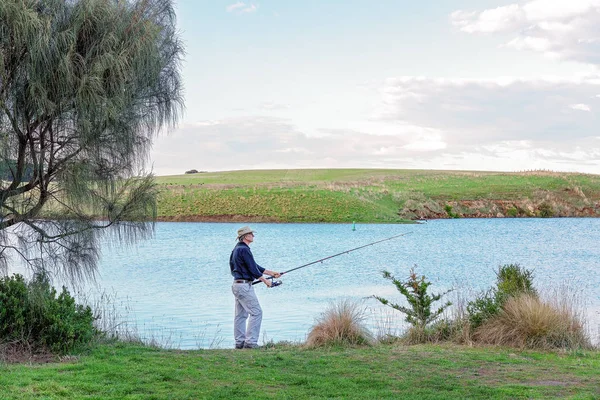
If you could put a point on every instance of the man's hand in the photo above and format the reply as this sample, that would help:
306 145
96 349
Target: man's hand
267 282
272 273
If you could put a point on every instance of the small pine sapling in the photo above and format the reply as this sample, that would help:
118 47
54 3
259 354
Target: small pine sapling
414 289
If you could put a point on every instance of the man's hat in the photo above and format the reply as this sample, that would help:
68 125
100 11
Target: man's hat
243 231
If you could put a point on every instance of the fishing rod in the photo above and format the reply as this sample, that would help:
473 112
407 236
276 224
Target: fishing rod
277 283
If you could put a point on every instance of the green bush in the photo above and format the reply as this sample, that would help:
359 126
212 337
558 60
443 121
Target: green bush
32 313
512 212
545 210
511 280
451 214
13 310
485 306
419 313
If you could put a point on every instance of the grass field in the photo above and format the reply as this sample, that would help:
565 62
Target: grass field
369 195
126 371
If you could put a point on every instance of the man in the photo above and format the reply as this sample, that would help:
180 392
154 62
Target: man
245 270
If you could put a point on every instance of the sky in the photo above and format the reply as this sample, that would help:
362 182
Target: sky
487 85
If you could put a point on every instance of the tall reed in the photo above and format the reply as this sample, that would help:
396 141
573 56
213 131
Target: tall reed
342 323
527 321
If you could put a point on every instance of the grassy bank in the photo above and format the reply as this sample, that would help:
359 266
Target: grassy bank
364 195
125 371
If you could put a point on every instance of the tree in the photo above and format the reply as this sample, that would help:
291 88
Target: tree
85 86
419 313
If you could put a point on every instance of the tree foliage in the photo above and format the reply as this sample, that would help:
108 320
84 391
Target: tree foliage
419 313
85 86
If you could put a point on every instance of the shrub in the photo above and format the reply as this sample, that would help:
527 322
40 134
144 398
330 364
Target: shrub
340 324
527 321
451 214
511 280
484 307
13 310
512 212
419 313
32 314
545 210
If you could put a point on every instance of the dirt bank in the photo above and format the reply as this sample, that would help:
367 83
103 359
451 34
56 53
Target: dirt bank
547 207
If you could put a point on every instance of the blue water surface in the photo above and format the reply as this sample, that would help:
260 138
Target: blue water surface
176 287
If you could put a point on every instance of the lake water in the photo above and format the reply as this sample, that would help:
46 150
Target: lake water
176 287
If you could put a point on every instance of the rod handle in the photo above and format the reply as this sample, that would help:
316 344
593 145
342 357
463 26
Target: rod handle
271 278
273 281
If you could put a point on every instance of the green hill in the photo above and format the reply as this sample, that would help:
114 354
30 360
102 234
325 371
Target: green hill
374 195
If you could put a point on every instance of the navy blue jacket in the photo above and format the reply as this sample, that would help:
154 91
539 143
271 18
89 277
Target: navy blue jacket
242 264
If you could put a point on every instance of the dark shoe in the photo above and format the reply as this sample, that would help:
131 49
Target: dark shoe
239 346
250 346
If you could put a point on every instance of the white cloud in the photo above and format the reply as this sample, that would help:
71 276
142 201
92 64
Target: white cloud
250 9
493 20
241 8
539 10
497 124
508 146
568 30
233 7
490 111
580 106
502 125
272 106
426 142
294 150
265 142
530 43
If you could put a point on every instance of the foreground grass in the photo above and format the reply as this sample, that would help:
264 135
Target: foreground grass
126 371
368 195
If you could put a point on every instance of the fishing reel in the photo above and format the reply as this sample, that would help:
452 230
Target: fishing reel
274 283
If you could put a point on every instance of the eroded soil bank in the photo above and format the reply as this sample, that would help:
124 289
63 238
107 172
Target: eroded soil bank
545 208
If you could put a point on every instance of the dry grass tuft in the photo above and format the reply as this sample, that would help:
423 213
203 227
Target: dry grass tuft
340 324
527 321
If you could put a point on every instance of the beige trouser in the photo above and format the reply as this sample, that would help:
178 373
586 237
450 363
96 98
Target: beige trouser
246 304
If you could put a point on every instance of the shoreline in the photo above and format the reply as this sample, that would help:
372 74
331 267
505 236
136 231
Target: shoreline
273 220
